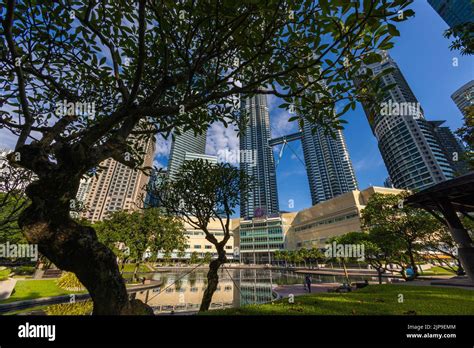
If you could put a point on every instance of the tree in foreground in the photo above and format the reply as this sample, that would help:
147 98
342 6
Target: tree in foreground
13 200
466 133
349 239
375 255
201 193
398 229
82 81
462 37
142 233
442 250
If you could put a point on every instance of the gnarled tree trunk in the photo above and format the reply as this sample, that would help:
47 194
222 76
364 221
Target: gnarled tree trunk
73 247
379 274
212 278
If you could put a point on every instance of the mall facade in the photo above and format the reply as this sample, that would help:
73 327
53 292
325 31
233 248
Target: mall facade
257 240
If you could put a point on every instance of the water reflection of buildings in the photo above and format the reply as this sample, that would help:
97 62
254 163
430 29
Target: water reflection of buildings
183 295
236 288
255 286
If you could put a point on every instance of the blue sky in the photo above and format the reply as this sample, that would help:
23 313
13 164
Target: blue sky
425 60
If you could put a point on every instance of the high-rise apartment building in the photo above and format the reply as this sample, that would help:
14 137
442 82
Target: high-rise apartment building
5 168
453 148
464 97
454 12
185 145
262 198
411 152
328 165
116 187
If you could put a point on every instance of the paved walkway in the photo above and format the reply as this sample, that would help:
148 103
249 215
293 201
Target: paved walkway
448 283
297 289
350 272
6 288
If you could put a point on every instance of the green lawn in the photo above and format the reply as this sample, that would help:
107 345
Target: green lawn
437 271
373 300
30 289
130 267
4 272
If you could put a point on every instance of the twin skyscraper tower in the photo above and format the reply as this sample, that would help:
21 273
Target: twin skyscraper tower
417 153
327 161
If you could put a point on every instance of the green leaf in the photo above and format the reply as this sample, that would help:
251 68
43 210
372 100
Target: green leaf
393 30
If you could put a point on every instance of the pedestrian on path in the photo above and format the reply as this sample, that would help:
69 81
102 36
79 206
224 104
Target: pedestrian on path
308 282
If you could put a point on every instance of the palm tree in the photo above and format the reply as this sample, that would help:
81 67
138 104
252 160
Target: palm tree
285 257
303 255
295 257
277 256
316 255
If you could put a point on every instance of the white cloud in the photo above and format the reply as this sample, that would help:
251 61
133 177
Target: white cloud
158 164
221 138
163 146
273 102
162 152
280 125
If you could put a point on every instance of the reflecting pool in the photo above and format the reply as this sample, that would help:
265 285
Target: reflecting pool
182 290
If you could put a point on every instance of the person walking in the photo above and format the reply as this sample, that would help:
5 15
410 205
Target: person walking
308 282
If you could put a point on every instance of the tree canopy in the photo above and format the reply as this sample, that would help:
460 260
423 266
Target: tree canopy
160 66
202 193
397 229
82 81
142 231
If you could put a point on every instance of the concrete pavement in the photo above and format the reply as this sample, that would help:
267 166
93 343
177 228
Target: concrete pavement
298 290
6 288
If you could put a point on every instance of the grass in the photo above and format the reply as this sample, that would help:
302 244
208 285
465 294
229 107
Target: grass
130 267
437 271
4 273
372 300
31 289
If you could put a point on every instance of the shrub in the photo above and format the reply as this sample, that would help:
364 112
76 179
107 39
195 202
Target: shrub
77 308
68 281
24 270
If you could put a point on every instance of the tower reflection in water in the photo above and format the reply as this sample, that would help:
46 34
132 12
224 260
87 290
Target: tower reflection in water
181 292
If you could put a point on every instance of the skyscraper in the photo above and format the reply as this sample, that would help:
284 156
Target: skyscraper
262 198
411 152
186 144
388 182
452 147
156 179
464 97
328 165
116 187
454 12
